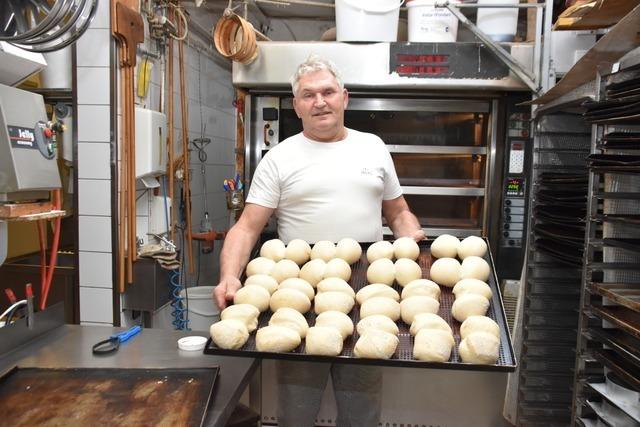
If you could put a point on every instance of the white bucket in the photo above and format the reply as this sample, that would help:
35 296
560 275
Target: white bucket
202 310
500 24
367 20
430 24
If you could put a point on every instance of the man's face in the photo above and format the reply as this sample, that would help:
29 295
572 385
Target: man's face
320 104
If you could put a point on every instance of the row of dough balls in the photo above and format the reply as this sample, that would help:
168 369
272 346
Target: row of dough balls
299 251
404 247
449 271
471 299
448 246
403 271
333 293
313 271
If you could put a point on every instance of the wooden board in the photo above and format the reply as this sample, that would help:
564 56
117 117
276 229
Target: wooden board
14 210
594 14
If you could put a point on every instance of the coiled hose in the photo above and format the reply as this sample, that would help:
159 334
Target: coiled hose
178 312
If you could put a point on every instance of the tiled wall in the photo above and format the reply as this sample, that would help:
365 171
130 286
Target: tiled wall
210 96
94 173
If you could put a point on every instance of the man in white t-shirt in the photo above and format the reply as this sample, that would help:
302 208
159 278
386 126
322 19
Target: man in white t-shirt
326 183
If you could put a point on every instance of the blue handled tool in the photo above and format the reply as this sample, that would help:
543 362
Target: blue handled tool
112 343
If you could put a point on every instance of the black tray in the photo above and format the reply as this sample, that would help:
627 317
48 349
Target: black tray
403 356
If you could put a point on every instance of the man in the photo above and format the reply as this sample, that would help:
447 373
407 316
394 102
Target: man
325 183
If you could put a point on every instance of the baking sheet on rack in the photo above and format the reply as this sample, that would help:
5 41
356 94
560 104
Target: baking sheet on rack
404 353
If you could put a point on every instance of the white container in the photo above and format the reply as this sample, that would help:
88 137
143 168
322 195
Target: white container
500 24
430 24
367 20
202 310
151 141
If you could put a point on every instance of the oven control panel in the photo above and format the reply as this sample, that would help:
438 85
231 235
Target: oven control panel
267 121
514 210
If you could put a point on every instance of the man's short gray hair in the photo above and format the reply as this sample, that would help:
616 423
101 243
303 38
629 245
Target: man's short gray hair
313 64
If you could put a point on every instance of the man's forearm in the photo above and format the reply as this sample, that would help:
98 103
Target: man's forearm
236 252
405 224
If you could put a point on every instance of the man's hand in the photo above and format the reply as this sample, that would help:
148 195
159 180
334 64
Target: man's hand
418 235
226 290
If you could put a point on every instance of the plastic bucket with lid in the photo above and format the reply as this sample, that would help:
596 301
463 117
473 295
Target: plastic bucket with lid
367 20
430 24
500 24
202 310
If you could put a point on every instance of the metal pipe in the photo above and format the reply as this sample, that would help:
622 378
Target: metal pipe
300 2
502 54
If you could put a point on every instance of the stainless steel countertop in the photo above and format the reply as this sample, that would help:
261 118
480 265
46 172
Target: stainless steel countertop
69 346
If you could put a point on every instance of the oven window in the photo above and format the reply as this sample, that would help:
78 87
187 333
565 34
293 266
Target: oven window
440 170
422 127
447 211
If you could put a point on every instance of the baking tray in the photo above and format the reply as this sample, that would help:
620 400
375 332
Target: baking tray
404 353
105 396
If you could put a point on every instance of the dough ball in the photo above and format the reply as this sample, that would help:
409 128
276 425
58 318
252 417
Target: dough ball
285 269
406 247
335 284
380 305
273 249
260 265
337 320
479 324
277 339
324 250
246 313
290 318
254 295
338 267
230 334
298 251
376 344
349 250
429 321
377 321
333 300
264 280
323 341
474 267
473 286
472 246
445 271
469 305
433 345
407 270
414 305
381 271
421 287
299 284
445 246
376 290
291 298
313 271
378 250
479 347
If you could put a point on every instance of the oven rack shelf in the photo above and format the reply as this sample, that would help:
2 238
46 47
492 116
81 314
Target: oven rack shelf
625 294
610 295
552 287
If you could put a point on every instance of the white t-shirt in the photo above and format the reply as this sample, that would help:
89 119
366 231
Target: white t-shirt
327 191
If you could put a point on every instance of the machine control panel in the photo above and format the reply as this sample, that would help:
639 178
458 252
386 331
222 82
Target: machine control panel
514 189
268 112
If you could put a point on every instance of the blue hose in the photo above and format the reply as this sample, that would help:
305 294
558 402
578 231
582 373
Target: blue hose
178 312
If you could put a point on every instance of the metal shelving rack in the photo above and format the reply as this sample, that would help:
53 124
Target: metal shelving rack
552 284
607 364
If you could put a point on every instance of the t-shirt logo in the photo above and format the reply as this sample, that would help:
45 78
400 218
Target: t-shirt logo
373 172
